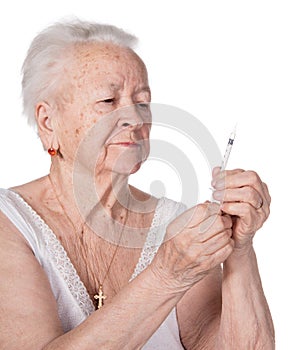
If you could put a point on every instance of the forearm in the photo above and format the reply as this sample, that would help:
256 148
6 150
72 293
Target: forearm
127 322
245 319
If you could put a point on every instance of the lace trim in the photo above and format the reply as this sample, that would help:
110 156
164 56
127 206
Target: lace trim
62 261
166 209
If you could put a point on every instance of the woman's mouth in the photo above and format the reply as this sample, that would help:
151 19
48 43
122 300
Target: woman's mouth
126 144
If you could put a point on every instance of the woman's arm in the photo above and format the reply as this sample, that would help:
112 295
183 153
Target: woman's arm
29 317
232 316
127 322
245 319
232 312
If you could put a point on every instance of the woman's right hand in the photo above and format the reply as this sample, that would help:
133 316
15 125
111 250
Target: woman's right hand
196 241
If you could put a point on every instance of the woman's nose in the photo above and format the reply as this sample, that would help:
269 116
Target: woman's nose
130 118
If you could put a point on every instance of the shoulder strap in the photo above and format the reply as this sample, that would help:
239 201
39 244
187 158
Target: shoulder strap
14 208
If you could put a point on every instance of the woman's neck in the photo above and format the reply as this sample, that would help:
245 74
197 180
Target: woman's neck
80 193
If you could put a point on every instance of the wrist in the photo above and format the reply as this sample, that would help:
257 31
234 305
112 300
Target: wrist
240 259
241 250
163 284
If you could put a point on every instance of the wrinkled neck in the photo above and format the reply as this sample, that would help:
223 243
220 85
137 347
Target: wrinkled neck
82 193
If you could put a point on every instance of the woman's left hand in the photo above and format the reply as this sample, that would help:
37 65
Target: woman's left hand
246 198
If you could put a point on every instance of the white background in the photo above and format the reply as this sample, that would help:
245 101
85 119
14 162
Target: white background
222 61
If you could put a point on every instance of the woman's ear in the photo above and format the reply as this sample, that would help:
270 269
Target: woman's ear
44 114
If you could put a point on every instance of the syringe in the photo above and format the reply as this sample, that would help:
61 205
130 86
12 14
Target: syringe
226 155
228 149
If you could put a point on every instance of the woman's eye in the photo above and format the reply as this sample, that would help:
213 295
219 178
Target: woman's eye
109 100
143 105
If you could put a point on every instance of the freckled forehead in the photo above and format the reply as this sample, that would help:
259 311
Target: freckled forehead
94 60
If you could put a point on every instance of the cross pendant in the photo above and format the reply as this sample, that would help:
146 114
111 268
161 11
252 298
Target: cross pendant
101 297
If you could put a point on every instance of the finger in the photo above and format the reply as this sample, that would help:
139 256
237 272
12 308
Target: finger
201 212
217 175
266 193
216 242
245 178
251 217
219 256
192 217
265 200
210 227
207 262
216 171
244 194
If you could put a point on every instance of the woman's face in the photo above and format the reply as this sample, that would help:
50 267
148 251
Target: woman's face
103 120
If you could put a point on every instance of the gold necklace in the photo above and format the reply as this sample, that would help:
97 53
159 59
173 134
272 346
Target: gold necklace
100 297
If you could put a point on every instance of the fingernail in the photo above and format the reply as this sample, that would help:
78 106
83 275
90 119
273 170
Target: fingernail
216 170
218 194
219 184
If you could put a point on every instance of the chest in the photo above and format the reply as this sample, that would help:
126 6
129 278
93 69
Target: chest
94 248
96 251
98 262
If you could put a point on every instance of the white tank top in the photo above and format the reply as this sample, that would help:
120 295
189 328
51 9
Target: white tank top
73 300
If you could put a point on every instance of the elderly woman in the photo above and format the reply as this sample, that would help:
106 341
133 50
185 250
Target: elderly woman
71 278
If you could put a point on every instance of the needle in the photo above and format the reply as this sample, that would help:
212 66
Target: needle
226 154
228 148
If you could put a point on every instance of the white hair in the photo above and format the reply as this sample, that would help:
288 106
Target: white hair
45 59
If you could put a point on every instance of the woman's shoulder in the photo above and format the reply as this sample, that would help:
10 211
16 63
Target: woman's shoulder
31 190
19 219
32 193
9 214
16 203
